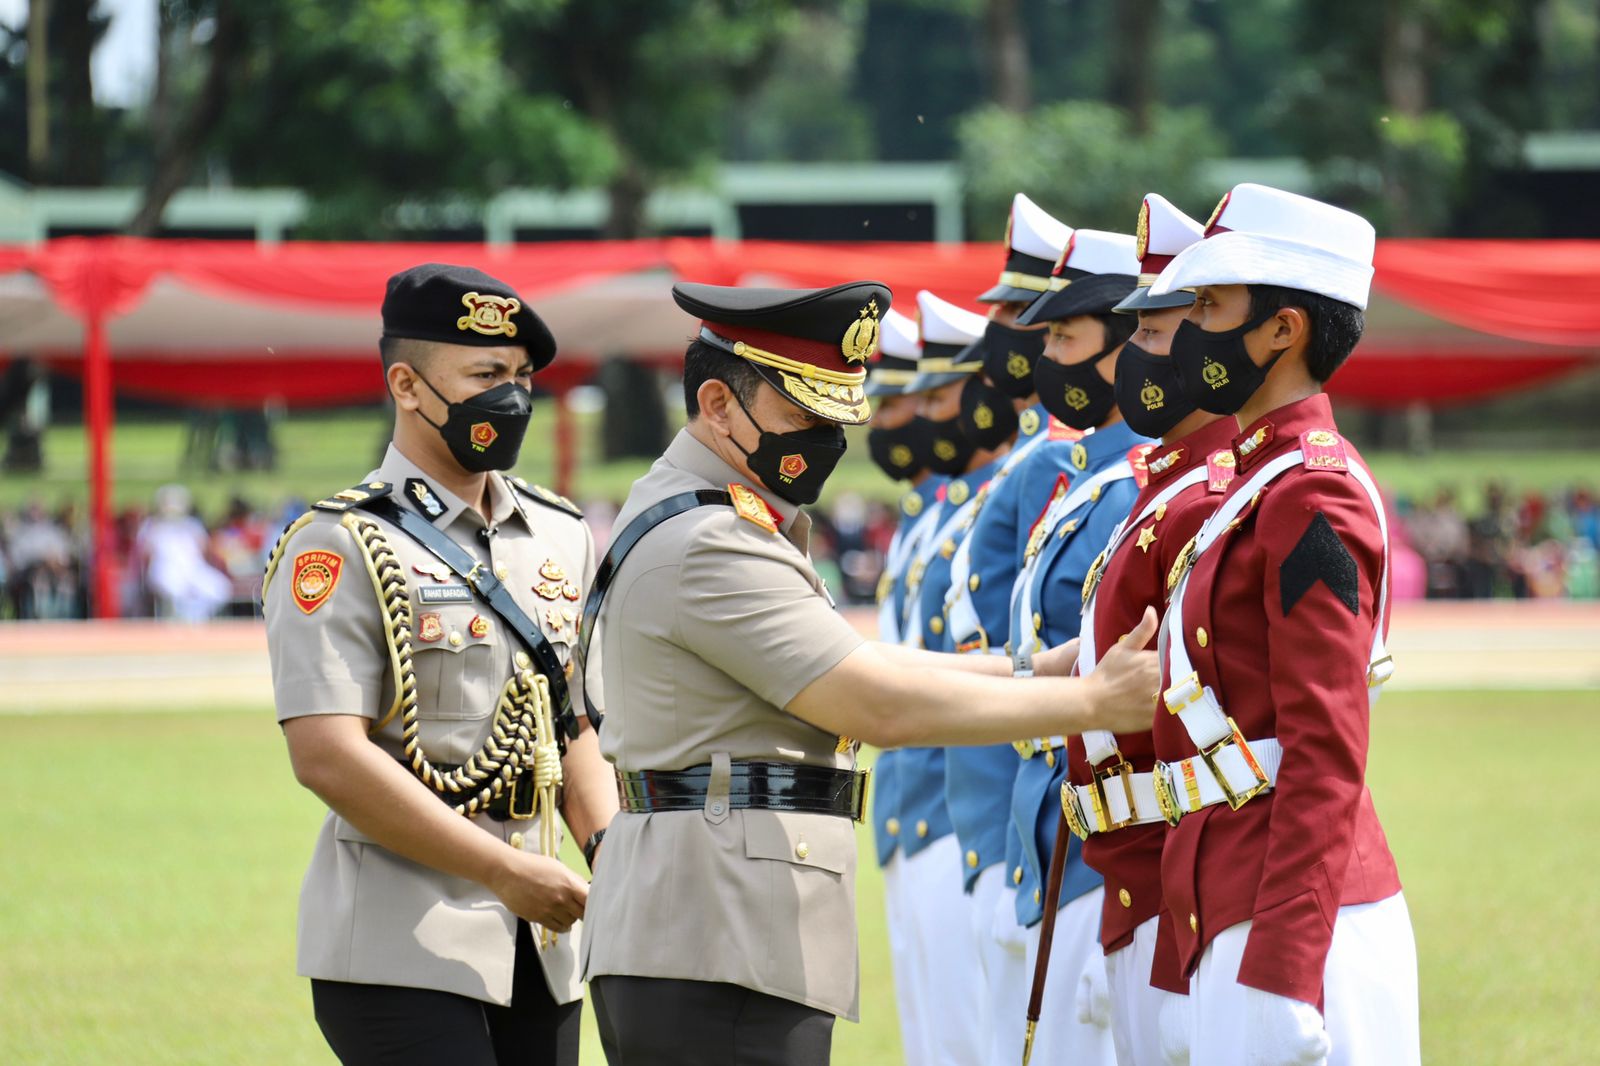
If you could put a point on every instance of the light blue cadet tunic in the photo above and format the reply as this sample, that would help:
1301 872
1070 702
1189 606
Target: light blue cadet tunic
977 781
918 510
1046 607
920 771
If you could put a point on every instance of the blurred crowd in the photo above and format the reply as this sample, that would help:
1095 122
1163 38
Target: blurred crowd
171 561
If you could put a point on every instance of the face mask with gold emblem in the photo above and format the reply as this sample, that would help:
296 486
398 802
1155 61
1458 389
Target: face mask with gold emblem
1077 395
1009 355
484 432
794 465
988 418
1149 392
902 452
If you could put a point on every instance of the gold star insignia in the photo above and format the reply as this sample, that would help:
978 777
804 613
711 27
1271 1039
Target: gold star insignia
1147 537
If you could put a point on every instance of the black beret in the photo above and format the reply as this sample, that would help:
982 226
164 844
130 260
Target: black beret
461 305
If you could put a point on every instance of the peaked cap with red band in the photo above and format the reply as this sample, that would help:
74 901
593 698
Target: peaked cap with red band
812 345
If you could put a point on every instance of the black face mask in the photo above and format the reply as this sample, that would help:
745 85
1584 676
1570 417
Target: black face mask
1150 392
794 465
987 418
1009 355
485 432
1217 371
902 452
950 450
1076 394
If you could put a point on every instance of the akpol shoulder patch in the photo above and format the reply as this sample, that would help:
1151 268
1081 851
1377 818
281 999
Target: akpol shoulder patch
1324 450
313 578
1220 466
1138 458
749 505
540 494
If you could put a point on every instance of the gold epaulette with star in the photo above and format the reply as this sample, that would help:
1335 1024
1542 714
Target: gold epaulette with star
749 505
343 501
540 494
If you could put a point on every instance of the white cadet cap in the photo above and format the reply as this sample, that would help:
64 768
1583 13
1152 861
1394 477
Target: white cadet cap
896 362
1264 236
1034 240
1163 231
949 342
1091 253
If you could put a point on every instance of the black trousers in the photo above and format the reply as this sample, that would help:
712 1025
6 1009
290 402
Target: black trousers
385 1025
650 1021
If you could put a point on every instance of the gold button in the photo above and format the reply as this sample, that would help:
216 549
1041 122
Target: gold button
972 582
1038 621
522 660
936 625
972 859
1194 923
1036 895
1094 494
801 850
502 571
1050 758
516 841
893 826
1200 637
1124 897
922 829
1016 876
455 640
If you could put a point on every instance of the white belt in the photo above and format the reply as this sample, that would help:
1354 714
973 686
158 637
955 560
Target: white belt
1117 799
1230 772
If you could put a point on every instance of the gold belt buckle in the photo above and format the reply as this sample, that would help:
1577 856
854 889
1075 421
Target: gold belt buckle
1235 799
1072 808
865 777
1380 671
1161 781
1182 693
1102 806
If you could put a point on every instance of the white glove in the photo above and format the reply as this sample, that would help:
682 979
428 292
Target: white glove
1284 1031
1012 937
1175 1017
1094 996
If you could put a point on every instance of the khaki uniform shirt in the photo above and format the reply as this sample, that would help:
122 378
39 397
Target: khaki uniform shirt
713 625
368 915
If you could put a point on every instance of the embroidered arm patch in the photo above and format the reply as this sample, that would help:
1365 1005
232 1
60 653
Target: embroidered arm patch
1320 556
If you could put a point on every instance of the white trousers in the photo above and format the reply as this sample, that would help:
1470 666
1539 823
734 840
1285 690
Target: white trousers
1369 992
1136 1005
1062 1040
1002 953
947 985
904 953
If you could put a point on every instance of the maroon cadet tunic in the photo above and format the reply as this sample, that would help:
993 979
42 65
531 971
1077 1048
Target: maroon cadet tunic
1279 619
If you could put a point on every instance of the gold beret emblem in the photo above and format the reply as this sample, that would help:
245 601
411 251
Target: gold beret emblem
489 315
861 339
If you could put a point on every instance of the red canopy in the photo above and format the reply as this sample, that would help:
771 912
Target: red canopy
222 322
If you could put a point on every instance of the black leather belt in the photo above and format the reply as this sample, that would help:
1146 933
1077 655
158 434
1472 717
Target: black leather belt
762 786
514 802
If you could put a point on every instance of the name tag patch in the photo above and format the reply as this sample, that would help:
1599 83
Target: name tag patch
445 594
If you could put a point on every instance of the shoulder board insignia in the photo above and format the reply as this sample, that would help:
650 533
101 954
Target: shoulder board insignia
959 491
1028 422
1138 457
343 501
911 504
1323 450
748 505
1220 466
543 495
1059 430
1037 532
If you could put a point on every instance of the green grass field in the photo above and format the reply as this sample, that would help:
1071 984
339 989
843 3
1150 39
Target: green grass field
322 453
152 865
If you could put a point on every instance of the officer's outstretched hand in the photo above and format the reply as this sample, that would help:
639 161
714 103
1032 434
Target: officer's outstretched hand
1057 661
540 890
1126 681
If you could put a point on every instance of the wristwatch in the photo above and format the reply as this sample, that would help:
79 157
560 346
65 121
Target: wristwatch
592 845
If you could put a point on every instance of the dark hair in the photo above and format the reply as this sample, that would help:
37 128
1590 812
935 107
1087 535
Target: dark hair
702 363
1118 327
1335 326
404 350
